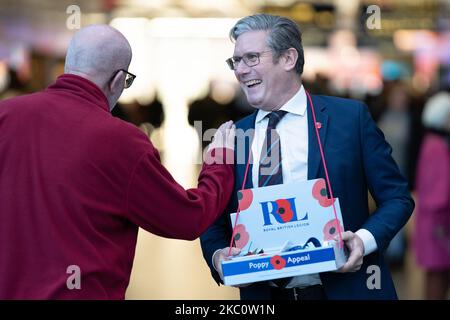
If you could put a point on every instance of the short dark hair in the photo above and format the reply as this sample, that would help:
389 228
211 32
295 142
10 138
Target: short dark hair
284 33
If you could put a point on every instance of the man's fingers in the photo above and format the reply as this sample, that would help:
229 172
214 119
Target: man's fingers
231 131
226 125
224 136
234 251
223 255
354 256
344 268
345 236
350 265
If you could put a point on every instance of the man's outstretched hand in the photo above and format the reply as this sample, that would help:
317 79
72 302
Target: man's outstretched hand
224 137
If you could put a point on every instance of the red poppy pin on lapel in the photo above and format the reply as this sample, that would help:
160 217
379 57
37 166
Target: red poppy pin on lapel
318 125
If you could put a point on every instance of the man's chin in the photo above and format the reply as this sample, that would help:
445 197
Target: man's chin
257 106
255 103
260 106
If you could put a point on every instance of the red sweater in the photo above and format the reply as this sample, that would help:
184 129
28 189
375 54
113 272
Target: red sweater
75 184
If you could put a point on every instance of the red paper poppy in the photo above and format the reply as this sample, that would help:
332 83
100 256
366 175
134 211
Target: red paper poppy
241 236
278 262
331 229
245 198
319 192
284 210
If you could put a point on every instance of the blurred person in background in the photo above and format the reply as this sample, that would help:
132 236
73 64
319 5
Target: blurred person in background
208 111
76 182
395 122
431 236
268 63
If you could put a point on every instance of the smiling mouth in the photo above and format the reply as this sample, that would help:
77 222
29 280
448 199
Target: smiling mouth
252 83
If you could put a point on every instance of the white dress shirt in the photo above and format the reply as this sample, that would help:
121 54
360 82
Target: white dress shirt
293 132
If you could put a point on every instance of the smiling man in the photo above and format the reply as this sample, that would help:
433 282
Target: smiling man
267 86
268 63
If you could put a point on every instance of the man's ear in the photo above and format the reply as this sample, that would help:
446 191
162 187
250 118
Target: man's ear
116 82
290 59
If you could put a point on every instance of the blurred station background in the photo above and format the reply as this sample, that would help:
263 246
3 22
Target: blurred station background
391 54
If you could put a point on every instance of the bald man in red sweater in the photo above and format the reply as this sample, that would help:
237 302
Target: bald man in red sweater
76 183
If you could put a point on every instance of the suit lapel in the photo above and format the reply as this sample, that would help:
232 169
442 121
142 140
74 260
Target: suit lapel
245 125
314 158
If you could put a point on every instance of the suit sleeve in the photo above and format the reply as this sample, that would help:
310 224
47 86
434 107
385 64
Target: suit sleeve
387 186
158 204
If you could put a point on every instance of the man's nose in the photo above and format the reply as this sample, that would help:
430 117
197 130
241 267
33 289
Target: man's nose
241 68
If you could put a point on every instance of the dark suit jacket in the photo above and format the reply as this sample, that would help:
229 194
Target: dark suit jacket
358 159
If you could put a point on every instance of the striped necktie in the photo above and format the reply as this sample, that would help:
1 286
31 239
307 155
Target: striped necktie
270 165
270 169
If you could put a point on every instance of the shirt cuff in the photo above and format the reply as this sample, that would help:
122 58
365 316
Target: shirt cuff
370 245
214 254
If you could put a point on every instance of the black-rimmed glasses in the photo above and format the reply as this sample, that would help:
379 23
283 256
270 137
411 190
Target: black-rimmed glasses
251 59
129 78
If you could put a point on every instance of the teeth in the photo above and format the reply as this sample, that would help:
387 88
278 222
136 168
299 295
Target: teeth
252 82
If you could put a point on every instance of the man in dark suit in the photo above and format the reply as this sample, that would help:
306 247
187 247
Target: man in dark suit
268 62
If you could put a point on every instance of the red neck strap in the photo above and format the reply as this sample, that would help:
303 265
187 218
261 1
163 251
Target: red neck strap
315 123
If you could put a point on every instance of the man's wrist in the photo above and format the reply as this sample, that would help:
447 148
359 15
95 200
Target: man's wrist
370 245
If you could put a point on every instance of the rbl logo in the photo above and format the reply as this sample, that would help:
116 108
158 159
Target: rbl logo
282 209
